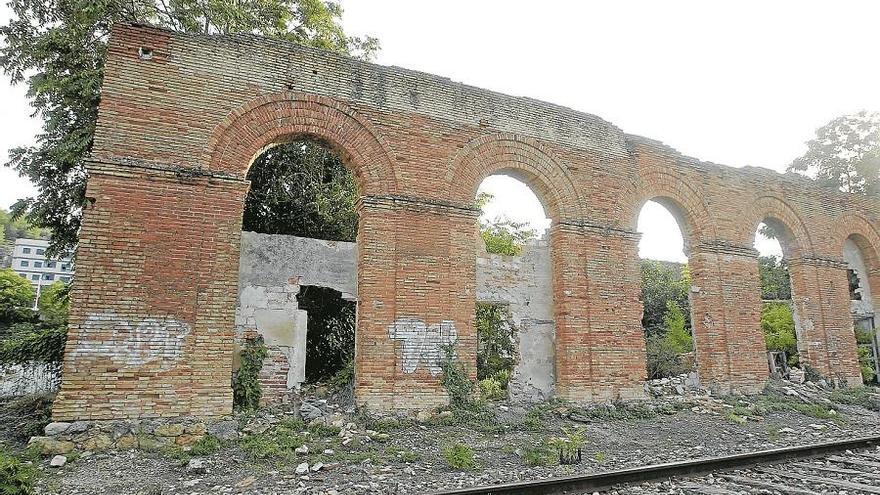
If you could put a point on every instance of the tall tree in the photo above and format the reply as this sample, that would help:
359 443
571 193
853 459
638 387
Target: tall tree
845 154
57 48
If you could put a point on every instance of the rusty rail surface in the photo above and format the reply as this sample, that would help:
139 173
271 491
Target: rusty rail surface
655 472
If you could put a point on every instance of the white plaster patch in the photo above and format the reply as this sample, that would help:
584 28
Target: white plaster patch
422 343
132 344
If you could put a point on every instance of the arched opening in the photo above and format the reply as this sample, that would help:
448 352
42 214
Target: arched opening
862 296
296 313
774 243
665 292
514 304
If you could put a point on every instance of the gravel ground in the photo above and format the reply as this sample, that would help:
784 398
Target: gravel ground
507 442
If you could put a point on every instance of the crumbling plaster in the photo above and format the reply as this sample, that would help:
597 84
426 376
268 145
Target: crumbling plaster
274 267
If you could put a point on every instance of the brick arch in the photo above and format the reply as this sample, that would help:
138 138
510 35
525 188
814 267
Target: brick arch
521 158
795 237
683 201
281 117
863 233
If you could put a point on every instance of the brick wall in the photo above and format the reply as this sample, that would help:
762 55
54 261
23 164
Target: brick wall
153 303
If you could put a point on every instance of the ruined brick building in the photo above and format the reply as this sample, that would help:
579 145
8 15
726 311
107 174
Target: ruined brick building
183 116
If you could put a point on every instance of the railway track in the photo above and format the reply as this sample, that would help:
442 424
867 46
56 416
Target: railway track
846 466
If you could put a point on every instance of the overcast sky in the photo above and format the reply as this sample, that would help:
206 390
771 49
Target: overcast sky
738 83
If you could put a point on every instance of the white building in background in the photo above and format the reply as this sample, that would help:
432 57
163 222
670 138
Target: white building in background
29 260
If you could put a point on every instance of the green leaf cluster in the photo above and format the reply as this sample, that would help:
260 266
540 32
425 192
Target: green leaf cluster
663 283
16 299
301 188
58 48
778 326
506 237
775 280
17 476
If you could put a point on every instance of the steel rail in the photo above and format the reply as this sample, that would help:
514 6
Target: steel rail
654 472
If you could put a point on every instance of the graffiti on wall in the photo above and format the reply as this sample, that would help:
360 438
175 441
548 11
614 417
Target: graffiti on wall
422 343
132 343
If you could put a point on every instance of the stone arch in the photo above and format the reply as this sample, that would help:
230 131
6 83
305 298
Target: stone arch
281 117
683 201
522 158
795 238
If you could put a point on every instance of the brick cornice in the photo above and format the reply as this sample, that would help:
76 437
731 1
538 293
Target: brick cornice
585 227
717 246
134 167
410 203
819 261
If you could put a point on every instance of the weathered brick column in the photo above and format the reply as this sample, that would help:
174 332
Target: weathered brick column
414 303
152 304
726 312
820 296
600 344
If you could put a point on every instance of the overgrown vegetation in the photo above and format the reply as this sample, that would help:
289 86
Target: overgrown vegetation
301 188
865 339
455 380
665 349
331 332
501 235
246 390
666 317
867 397
777 324
17 475
775 280
495 349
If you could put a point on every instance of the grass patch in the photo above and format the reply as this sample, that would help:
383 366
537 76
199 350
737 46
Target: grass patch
774 401
207 445
459 456
867 397
17 475
540 455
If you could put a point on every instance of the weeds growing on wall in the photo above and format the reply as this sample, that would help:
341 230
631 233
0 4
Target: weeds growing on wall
246 391
455 380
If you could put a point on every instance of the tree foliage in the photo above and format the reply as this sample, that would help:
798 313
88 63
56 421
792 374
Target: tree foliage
778 326
663 283
775 279
495 343
331 331
58 47
666 346
845 154
16 299
502 235
54 304
301 188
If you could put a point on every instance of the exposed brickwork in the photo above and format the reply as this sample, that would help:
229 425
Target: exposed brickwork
153 303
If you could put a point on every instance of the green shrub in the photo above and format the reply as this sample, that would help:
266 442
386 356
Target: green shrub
459 456
777 323
246 391
17 476
491 389
495 342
